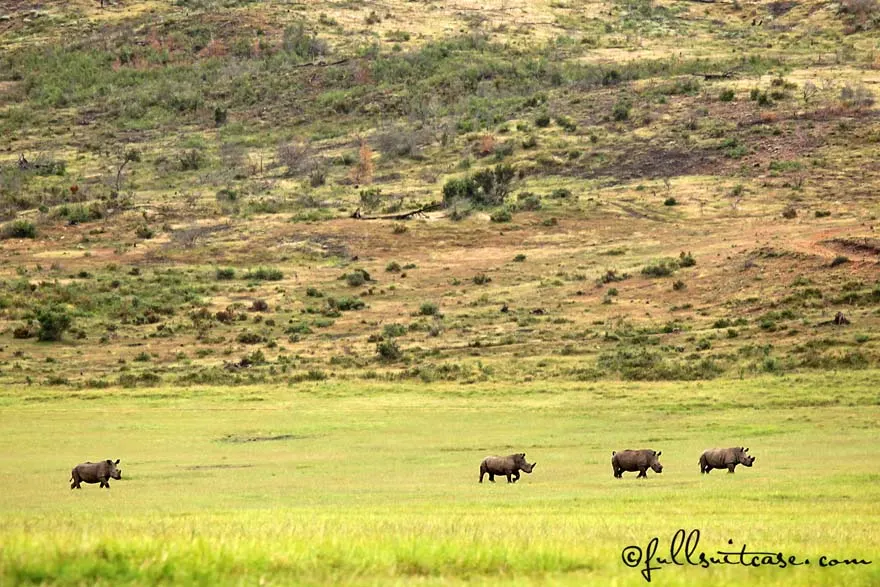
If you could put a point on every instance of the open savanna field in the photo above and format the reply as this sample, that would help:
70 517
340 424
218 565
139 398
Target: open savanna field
378 483
302 265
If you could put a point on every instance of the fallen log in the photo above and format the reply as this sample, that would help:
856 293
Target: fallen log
401 216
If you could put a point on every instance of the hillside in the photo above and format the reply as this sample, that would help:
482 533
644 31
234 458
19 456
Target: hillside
626 190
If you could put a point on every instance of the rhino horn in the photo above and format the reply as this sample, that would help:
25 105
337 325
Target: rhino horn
745 450
659 453
117 462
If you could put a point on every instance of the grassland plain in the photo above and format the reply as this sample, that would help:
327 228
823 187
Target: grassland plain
371 483
650 212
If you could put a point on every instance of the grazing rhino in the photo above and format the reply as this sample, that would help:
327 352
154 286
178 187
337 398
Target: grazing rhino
725 458
90 472
635 460
510 466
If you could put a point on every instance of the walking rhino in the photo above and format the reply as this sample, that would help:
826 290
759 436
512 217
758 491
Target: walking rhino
725 458
509 466
100 472
635 460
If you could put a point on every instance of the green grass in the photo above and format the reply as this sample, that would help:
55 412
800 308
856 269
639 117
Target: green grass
377 483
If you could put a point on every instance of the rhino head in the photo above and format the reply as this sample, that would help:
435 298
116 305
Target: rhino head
115 473
655 462
743 458
522 463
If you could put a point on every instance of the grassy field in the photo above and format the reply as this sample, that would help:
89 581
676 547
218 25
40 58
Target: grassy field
641 219
377 483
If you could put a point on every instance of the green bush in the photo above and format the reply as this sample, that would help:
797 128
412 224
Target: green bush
388 350
264 274
54 321
19 229
660 268
620 112
429 309
225 274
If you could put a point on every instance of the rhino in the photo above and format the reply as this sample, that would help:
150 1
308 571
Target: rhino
725 458
510 466
90 472
635 460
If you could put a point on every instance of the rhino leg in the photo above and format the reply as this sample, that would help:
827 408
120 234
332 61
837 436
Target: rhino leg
482 473
515 476
508 478
642 473
492 477
74 476
730 468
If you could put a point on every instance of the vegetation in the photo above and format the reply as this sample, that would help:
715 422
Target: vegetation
267 205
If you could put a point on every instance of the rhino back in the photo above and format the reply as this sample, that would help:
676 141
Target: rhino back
632 459
91 472
499 465
720 457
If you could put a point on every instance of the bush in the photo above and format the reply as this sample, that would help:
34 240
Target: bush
487 187
346 304
355 279
502 215
145 232
660 268
393 330
314 292
264 274
54 321
429 309
247 337
560 193
670 202
726 95
620 112
388 350
225 274
19 229
481 279
686 259
528 201
542 120
519 258
839 260
393 267
190 160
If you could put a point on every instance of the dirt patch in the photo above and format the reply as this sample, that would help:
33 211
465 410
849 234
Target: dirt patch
861 246
648 162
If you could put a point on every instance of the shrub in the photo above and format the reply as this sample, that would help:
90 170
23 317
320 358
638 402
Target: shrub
259 306
54 321
679 285
542 120
519 258
388 350
502 215
190 160
487 187
247 337
346 304
528 201
566 123
225 274
399 228
355 279
145 232
301 44
393 267
481 279
839 260
660 268
560 193
393 330
19 229
264 274
620 112
726 95
670 202
686 259
429 309
314 292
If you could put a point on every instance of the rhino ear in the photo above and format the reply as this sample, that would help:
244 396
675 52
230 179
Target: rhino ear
117 462
745 450
659 453
109 462
522 454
